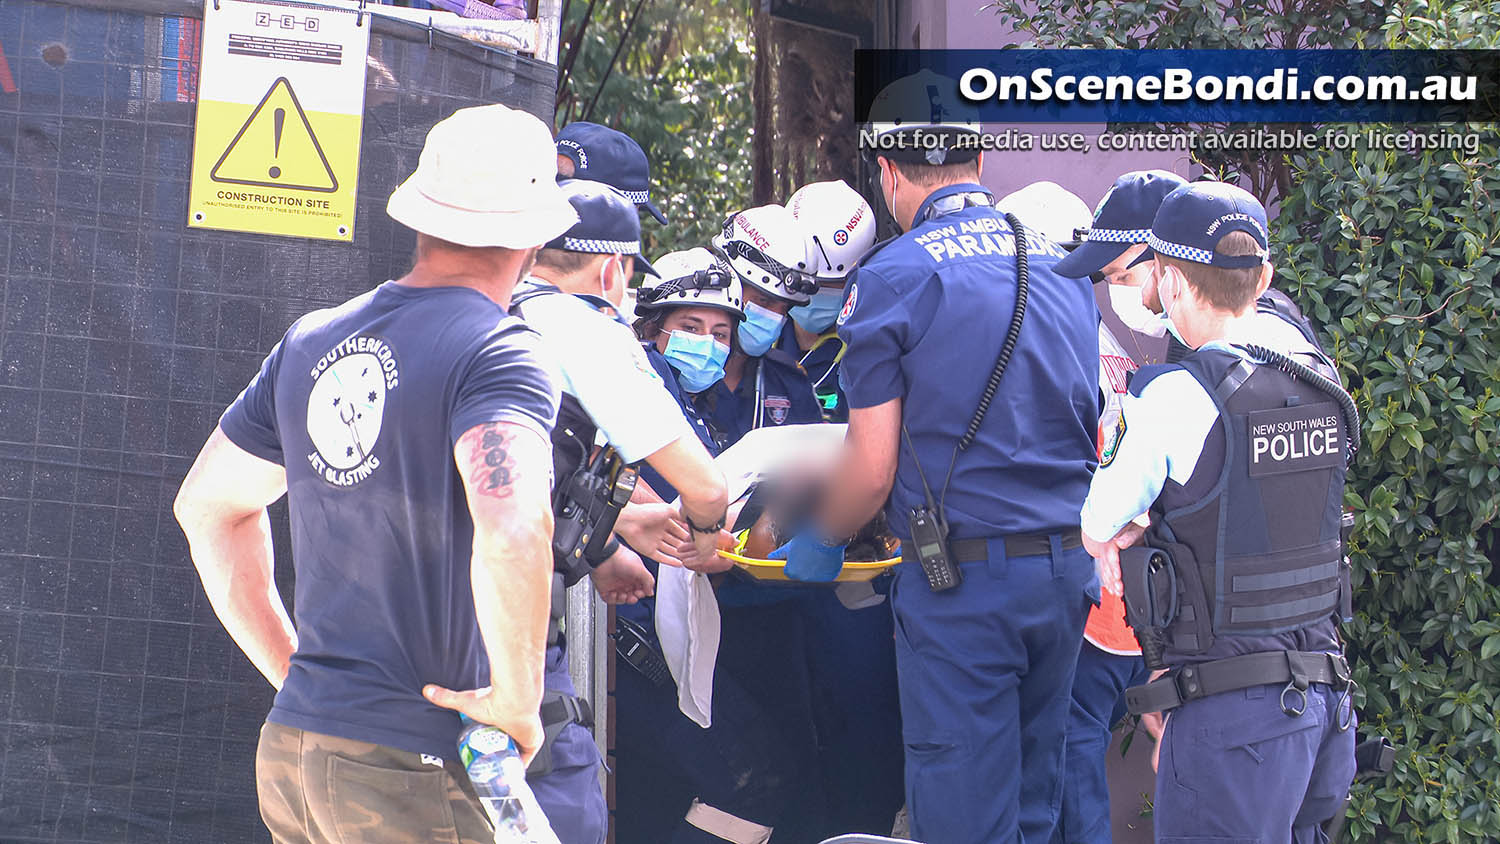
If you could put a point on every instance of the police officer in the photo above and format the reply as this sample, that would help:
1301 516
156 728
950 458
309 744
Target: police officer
610 391
1238 452
840 228
990 598
1110 660
601 154
762 385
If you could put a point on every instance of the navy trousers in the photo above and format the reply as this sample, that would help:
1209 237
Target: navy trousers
985 673
756 759
1098 704
570 794
1235 767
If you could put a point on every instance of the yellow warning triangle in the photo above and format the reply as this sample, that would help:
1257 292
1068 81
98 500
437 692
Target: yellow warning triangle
276 148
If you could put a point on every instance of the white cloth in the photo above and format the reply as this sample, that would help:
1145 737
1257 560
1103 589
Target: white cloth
605 368
687 611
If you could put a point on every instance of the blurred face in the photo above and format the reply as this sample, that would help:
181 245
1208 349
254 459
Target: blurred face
766 300
564 166
696 320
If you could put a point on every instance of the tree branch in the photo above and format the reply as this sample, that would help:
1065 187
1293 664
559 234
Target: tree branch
624 36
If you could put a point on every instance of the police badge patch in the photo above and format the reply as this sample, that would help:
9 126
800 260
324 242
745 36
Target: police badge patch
1108 455
777 407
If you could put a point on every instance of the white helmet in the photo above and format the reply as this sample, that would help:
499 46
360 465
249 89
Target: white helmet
928 102
691 277
766 249
1048 208
838 224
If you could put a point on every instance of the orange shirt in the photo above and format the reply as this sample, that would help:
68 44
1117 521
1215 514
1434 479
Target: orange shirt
1106 628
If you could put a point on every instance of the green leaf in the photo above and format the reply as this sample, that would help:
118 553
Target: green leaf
1490 647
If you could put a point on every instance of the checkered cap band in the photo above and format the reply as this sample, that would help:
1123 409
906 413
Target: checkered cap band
1177 250
638 197
1116 235
604 247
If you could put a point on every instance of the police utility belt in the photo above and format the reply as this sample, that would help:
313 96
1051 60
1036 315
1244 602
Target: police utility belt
558 711
1296 669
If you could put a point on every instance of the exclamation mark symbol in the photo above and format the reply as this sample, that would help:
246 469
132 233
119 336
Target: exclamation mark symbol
279 119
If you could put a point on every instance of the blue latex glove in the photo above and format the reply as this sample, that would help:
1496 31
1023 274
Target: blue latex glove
811 559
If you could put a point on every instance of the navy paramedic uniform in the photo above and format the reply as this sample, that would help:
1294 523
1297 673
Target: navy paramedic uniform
850 658
772 391
821 363
1229 492
984 668
744 764
763 627
668 375
843 698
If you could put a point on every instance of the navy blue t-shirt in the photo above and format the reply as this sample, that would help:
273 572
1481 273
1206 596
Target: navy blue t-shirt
772 391
924 321
363 404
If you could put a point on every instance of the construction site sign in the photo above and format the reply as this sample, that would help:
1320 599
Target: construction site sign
280 107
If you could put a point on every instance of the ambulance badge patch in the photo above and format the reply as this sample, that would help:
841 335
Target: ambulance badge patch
777 408
849 304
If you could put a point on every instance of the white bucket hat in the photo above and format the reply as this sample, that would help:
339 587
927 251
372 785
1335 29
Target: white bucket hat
487 176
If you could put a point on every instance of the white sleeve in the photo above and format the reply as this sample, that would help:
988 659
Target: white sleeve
622 393
1160 435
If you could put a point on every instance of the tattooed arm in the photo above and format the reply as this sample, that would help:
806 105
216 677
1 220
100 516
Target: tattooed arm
506 470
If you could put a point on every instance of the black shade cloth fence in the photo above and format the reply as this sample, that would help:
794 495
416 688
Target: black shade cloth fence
126 713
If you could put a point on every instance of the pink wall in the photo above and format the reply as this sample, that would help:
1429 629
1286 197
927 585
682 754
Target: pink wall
963 24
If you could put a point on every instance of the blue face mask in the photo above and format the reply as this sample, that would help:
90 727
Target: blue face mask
698 358
759 329
818 315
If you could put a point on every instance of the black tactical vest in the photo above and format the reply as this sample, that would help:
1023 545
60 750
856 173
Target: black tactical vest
1254 535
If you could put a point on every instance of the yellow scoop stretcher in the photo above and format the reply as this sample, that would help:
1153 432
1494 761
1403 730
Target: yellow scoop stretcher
775 570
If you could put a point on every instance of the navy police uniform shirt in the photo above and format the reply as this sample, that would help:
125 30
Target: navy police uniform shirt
363 404
924 321
773 390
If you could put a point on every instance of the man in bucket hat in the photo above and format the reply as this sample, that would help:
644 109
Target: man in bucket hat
409 428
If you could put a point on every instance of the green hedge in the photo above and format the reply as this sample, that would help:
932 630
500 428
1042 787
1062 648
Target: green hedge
1394 255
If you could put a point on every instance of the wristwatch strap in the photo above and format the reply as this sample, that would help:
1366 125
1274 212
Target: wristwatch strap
713 528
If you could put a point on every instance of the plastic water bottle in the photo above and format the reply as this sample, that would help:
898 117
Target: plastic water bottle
494 765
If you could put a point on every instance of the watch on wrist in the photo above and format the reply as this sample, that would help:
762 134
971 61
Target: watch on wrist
713 528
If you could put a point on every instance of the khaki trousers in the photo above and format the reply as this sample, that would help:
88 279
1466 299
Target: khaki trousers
318 789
